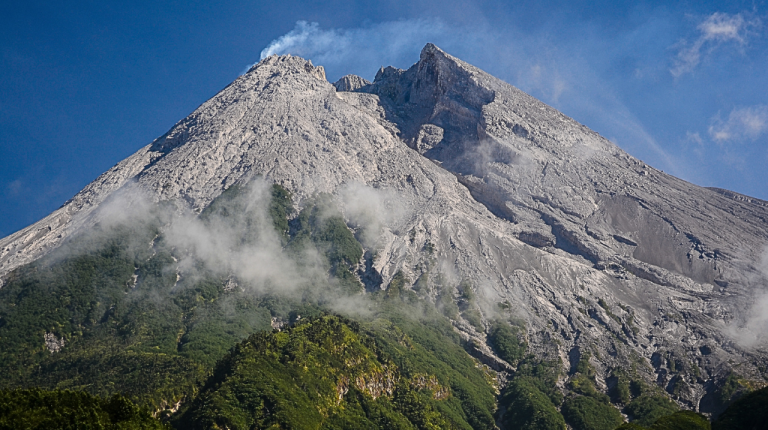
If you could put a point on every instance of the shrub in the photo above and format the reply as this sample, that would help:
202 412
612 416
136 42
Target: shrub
631 426
397 285
51 410
748 412
682 420
526 407
544 374
646 409
619 391
280 208
506 342
587 413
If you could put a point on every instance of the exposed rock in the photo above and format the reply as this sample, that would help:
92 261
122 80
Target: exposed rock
53 343
278 323
428 136
351 83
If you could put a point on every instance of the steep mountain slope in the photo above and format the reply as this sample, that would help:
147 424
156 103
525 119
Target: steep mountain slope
461 186
565 187
331 373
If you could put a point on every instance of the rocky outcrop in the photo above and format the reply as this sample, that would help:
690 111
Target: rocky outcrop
350 83
53 343
594 249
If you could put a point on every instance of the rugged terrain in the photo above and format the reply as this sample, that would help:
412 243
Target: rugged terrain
456 181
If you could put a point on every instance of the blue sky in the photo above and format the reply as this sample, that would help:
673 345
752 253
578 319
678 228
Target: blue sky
681 85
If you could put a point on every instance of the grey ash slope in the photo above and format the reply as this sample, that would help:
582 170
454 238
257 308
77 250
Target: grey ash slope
524 202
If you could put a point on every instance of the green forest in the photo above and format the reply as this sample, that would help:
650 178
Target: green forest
112 331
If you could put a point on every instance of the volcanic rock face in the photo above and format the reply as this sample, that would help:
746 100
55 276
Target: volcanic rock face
350 83
594 249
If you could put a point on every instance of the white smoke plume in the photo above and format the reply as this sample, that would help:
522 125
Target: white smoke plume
355 49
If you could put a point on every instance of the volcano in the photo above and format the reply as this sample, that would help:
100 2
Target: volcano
528 214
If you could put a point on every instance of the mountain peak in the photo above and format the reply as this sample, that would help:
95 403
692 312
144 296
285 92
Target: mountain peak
290 63
431 50
430 47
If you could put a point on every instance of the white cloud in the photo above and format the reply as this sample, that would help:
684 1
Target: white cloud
718 29
370 210
746 123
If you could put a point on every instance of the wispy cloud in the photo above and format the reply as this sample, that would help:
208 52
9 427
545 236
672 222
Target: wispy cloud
694 138
353 50
745 123
716 30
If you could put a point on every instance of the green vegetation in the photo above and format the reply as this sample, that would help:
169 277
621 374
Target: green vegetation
731 389
643 404
318 374
648 408
583 380
333 373
526 407
116 311
153 342
506 341
748 412
321 226
53 410
280 209
590 409
619 391
397 286
608 311
588 413
114 335
420 341
544 374
127 324
531 399
446 304
631 426
474 318
680 420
